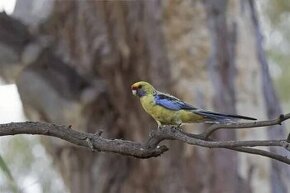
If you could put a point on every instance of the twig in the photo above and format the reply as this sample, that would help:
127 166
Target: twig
175 134
264 153
199 140
255 124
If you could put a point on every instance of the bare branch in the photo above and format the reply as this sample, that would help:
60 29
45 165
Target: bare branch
264 153
199 140
216 127
175 134
81 139
151 148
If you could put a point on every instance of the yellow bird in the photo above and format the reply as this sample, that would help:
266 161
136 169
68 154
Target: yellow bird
169 110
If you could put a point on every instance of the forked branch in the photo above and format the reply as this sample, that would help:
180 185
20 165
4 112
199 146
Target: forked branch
151 148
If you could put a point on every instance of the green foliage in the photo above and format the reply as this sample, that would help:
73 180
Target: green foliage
27 158
8 174
276 10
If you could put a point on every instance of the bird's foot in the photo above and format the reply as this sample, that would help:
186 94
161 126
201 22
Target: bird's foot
160 127
177 127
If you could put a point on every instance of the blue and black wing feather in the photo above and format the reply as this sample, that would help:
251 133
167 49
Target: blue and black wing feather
221 116
171 102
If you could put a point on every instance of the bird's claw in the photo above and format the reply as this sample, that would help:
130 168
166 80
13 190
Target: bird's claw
90 143
176 127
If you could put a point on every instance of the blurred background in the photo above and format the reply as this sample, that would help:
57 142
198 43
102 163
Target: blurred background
72 62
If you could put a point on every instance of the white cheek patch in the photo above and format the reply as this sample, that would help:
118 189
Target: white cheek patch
134 92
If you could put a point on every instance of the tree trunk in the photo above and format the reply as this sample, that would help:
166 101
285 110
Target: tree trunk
279 172
222 71
78 68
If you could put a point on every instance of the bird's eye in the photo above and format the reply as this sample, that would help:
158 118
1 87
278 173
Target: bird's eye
140 86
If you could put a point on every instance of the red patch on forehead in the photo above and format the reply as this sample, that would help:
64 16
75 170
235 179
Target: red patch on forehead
134 87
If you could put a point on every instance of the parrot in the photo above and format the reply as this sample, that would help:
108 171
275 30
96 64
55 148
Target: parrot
166 109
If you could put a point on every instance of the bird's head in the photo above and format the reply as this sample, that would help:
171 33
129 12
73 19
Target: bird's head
142 88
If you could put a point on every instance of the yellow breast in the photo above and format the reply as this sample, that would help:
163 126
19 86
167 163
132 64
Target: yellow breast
166 116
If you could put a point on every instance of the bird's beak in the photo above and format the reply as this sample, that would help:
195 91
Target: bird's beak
134 89
134 92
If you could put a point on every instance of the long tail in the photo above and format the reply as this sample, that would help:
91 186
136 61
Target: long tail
221 118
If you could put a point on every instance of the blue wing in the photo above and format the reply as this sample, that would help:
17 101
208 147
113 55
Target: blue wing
171 102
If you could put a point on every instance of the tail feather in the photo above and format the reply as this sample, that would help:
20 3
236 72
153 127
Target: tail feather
219 117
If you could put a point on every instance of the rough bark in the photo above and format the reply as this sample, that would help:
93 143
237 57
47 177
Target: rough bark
107 46
14 36
79 69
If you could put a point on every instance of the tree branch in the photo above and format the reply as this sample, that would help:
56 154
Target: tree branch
151 148
215 127
88 140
